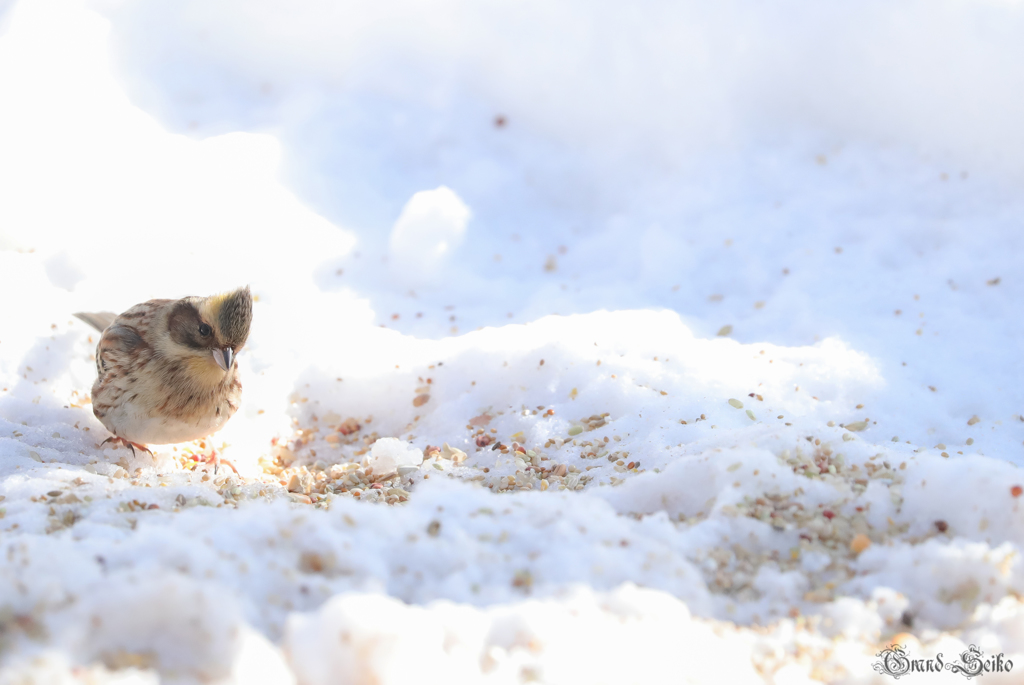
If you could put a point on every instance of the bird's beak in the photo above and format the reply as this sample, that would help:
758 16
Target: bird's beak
224 357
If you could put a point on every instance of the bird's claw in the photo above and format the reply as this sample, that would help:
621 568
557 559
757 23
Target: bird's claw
127 443
214 458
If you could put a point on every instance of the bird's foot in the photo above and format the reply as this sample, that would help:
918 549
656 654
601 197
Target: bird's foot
127 443
214 458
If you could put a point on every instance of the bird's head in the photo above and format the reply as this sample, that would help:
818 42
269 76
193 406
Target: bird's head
212 328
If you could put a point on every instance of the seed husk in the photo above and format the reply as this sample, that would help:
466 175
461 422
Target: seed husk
453 453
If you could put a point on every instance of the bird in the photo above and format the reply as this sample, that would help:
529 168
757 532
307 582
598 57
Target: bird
167 370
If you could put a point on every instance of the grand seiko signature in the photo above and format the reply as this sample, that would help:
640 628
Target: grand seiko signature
895 661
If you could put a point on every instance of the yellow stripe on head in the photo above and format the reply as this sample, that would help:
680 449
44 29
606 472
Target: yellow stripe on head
214 303
230 313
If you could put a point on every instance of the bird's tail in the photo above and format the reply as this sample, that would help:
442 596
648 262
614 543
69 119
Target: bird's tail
98 320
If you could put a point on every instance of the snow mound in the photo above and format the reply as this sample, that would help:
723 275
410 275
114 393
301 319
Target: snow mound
431 226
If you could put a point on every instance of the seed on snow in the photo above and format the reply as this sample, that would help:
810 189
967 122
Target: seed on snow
859 543
453 453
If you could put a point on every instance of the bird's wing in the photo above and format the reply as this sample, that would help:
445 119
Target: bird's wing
117 347
98 320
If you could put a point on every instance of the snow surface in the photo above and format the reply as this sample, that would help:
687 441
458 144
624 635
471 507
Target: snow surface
741 279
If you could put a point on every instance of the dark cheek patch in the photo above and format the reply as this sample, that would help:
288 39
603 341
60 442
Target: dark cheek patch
183 325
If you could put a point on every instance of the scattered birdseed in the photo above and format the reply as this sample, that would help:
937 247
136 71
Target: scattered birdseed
736 403
449 452
523 580
859 543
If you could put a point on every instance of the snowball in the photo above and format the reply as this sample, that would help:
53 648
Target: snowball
431 226
63 271
390 453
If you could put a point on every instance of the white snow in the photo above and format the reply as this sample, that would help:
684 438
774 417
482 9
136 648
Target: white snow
740 280
429 228
389 454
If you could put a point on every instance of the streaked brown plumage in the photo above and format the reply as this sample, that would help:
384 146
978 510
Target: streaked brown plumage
166 369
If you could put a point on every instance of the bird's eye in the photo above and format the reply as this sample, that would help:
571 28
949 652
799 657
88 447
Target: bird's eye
204 329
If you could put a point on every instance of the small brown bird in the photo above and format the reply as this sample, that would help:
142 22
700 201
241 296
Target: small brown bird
166 368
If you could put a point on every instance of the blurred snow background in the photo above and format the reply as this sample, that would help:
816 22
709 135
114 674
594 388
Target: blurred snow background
835 189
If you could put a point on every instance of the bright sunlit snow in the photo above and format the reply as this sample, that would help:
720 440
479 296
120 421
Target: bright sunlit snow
593 342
